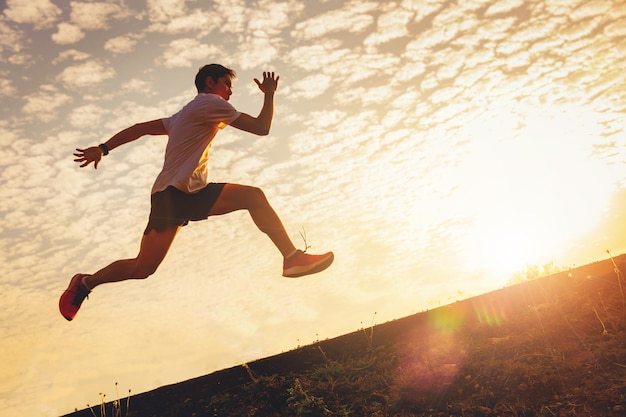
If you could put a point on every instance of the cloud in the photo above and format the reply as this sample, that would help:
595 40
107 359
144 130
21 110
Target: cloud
257 51
71 54
67 33
197 21
616 29
165 10
558 8
87 74
309 87
270 18
172 16
354 17
580 29
92 16
593 8
10 39
497 29
7 88
533 31
85 116
410 70
503 7
317 56
7 152
122 44
425 7
40 13
21 59
420 48
187 52
390 25
257 30
137 85
44 103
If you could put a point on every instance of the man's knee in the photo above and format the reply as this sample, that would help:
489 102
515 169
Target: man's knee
143 271
255 196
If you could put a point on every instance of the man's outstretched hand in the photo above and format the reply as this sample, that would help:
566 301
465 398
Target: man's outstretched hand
87 156
269 84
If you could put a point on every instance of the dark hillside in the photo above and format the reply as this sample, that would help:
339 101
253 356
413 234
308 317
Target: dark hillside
555 346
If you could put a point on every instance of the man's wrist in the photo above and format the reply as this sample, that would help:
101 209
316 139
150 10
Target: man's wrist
104 148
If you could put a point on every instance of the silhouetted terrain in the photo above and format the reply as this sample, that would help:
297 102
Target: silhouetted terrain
555 346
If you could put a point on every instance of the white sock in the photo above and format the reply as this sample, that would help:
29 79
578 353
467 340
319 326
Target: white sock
84 283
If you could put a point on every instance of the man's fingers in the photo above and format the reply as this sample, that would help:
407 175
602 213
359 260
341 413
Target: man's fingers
95 165
269 83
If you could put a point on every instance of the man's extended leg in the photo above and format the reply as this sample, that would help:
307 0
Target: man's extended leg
154 247
241 197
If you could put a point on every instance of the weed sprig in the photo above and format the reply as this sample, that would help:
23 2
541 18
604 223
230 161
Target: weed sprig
620 277
116 408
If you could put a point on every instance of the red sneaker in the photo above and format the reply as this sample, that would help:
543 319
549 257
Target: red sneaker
304 264
73 297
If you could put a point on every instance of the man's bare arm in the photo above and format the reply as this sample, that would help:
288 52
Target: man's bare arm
94 154
261 124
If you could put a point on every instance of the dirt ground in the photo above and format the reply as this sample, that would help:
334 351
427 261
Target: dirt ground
554 346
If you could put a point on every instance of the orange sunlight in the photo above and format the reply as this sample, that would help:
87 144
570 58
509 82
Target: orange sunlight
535 185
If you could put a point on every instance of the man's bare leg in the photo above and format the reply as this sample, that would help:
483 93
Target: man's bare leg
154 247
242 197
295 262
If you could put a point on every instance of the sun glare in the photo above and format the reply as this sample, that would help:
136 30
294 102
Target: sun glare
535 186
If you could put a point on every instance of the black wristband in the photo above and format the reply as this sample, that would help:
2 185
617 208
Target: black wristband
104 148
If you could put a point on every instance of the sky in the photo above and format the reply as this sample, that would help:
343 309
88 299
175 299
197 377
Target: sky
436 146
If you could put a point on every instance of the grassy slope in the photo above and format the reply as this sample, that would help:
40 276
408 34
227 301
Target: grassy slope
551 347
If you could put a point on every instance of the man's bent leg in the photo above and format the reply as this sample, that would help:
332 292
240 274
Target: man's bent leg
242 197
154 247
296 263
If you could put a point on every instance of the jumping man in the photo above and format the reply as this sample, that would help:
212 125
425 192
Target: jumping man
182 193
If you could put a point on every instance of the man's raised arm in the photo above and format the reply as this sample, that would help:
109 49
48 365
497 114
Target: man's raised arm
261 124
95 153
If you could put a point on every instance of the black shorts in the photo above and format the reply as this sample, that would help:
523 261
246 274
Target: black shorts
172 207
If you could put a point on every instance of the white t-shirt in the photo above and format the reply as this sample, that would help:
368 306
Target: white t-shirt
190 132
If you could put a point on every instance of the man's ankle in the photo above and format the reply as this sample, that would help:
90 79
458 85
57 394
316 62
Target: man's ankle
85 283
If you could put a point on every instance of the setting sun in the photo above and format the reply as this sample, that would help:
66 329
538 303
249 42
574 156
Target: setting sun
534 186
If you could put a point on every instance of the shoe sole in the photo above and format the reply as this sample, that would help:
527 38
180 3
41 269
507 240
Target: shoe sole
68 318
311 269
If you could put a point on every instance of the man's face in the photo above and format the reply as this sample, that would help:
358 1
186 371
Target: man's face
223 87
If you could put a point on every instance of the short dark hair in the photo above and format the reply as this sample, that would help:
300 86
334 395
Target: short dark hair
215 71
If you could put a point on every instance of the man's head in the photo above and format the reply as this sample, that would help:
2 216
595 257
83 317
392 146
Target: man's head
208 77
